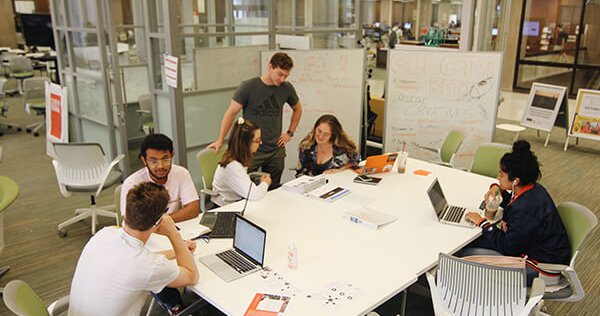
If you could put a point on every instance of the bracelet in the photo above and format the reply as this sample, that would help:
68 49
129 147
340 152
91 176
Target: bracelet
289 132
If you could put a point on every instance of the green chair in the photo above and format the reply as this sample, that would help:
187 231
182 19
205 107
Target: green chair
9 190
487 159
449 148
579 222
20 298
208 160
145 114
20 69
34 98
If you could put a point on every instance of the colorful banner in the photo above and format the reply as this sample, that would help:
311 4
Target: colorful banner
586 121
57 116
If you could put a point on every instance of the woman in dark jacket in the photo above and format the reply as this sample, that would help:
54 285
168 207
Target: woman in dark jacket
531 225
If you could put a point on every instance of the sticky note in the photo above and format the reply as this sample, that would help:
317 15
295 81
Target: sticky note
422 172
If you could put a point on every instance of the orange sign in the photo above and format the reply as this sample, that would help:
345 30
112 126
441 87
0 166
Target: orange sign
55 116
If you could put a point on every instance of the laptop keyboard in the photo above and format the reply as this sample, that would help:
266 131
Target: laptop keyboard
225 224
239 263
455 214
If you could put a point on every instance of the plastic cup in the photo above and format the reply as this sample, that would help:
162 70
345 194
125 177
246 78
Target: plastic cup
402 159
490 214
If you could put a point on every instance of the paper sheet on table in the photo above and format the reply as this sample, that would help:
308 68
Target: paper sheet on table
189 229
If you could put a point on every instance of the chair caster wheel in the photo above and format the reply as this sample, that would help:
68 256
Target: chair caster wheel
62 233
9 127
28 130
36 134
19 129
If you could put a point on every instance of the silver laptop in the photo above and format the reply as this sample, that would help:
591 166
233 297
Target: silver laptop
448 214
245 257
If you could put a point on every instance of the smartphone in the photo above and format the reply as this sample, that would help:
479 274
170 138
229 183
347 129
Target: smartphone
363 177
367 179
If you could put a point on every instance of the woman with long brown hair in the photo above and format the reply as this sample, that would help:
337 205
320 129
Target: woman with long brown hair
327 149
231 180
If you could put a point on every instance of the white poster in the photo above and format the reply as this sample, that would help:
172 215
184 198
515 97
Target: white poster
57 116
543 106
171 70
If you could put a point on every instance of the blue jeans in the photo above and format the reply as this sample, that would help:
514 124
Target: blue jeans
476 251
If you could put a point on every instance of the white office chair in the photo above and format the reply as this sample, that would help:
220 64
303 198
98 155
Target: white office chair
83 168
34 98
469 288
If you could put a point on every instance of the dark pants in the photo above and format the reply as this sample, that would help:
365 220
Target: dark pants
168 298
271 162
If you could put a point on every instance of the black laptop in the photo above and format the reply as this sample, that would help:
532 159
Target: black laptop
222 224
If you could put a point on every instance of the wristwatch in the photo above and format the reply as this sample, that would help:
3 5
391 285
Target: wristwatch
290 133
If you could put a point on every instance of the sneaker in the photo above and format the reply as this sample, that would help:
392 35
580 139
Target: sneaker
175 310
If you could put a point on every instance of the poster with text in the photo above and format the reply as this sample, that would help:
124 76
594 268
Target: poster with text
586 121
57 116
543 106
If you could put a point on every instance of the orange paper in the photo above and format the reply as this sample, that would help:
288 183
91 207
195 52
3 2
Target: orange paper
422 172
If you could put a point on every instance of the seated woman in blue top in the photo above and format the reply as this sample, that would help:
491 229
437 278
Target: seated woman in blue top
531 225
327 149
231 180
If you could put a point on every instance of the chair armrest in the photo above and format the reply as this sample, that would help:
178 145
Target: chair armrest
59 306
432 149
203 194
143 112
552 267
107 171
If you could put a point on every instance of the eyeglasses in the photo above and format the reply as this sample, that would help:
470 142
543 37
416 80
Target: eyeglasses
320 132
164 161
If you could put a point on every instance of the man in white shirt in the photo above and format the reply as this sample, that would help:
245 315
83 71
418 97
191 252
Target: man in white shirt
116 271
157 153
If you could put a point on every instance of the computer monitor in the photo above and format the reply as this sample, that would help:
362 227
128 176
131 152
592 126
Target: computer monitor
37 29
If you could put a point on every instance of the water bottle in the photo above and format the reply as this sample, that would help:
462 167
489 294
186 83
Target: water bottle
491 206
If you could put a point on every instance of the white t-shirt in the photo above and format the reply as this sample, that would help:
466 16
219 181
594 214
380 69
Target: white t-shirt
232 184
115 273
179 185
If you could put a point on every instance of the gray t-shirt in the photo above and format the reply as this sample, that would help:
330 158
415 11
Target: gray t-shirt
263 105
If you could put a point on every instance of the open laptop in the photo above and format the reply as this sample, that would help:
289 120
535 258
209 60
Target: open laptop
245 257
448 214
378 164
222 224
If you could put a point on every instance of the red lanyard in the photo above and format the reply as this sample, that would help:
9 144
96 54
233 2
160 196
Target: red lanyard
523 190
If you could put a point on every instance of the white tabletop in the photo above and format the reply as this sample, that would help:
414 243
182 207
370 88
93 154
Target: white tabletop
373 265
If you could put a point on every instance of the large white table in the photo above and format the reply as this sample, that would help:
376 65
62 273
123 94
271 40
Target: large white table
380 263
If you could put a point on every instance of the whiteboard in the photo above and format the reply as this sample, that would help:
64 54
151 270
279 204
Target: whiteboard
226 67
430 93
327 82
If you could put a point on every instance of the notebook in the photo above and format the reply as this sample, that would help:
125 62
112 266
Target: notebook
378 164
448 214
222 224
245 257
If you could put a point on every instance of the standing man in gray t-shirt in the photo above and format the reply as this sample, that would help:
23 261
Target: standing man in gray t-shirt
262 99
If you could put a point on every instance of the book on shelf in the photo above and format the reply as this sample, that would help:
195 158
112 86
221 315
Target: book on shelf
369 218
304 184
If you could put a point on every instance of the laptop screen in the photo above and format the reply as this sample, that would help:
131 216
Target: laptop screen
249 239
437 197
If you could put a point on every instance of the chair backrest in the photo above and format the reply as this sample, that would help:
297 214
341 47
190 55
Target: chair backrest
22 300
34 90
145 102
377 106
487 159
470 288
9 191
117 198
19 64
579 222
209 160
451 145
80 164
